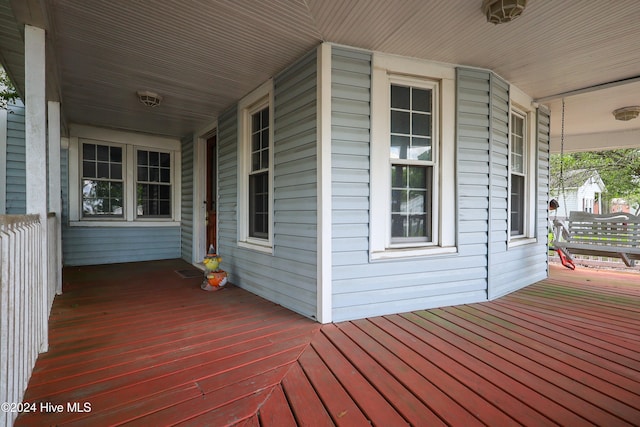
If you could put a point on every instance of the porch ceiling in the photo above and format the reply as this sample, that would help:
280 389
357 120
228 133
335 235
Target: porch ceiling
203 56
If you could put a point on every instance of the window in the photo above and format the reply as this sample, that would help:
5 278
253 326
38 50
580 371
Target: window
518 173
411 164
102 181
412 158
255 174
123 179
153 185
259 175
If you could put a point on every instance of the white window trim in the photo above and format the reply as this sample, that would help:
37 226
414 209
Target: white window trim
523 104
258 99
130 143
388 68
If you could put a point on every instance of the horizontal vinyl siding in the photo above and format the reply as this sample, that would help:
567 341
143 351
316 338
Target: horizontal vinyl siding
289 275
514 267
187 203
362 288
16 181
107 245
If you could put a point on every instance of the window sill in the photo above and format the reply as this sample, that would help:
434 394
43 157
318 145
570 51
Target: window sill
521 241
123 223
400 253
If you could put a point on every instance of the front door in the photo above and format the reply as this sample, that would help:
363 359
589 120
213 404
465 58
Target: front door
212 192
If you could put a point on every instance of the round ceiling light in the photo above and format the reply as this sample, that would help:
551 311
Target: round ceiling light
626 113
500 11
150 99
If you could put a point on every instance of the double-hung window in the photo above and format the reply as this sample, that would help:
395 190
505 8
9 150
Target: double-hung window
518 173
411 162
255 172
153 184
259 175
412 158
102 180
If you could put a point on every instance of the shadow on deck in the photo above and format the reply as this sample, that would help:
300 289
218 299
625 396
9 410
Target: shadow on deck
137 344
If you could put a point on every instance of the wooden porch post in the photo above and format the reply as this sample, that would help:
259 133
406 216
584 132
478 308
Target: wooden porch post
36 150
55 195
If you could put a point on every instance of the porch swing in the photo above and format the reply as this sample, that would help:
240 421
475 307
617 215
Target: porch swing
614 235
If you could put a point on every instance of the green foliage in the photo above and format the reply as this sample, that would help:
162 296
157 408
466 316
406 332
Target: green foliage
619 170
7 90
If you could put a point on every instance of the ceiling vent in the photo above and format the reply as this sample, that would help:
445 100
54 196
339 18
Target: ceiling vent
501 11
627 113
150 99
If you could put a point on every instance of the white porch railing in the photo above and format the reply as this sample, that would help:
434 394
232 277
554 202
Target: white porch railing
25 302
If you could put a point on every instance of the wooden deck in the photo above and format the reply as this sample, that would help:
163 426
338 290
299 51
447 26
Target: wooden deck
137 344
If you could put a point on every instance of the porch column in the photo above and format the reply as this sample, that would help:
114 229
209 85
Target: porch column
55 193
36 149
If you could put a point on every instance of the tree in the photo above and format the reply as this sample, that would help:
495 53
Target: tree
7 90
619 170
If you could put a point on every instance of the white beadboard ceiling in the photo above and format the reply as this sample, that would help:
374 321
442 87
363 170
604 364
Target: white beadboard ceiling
203 55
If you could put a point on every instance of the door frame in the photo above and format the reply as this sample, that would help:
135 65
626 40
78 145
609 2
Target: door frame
199 243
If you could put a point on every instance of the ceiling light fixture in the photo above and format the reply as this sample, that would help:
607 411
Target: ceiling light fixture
626 113
500 11
150 99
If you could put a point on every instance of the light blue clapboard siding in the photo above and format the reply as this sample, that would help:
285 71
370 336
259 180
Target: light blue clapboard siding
107 245
187 204
363 288
16 184
511 268
289 275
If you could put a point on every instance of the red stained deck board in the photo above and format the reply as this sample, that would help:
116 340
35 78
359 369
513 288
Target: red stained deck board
561 347
560 371
340 406
579 338
207 405
305 403
597 335
467 391
512 386
275 411
149 397
554 385
396 380
107 358
256 345
366 396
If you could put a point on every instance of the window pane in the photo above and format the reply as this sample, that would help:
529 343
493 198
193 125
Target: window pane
400 97
88 169
410 202
143 173
116 171
103 153
421 124
517 205
142 158
399 146
103 170
420 149
101 198
400 122
116 154
165 160
154 158
89 151
259 205
255 141
165 175
421 100
154 174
